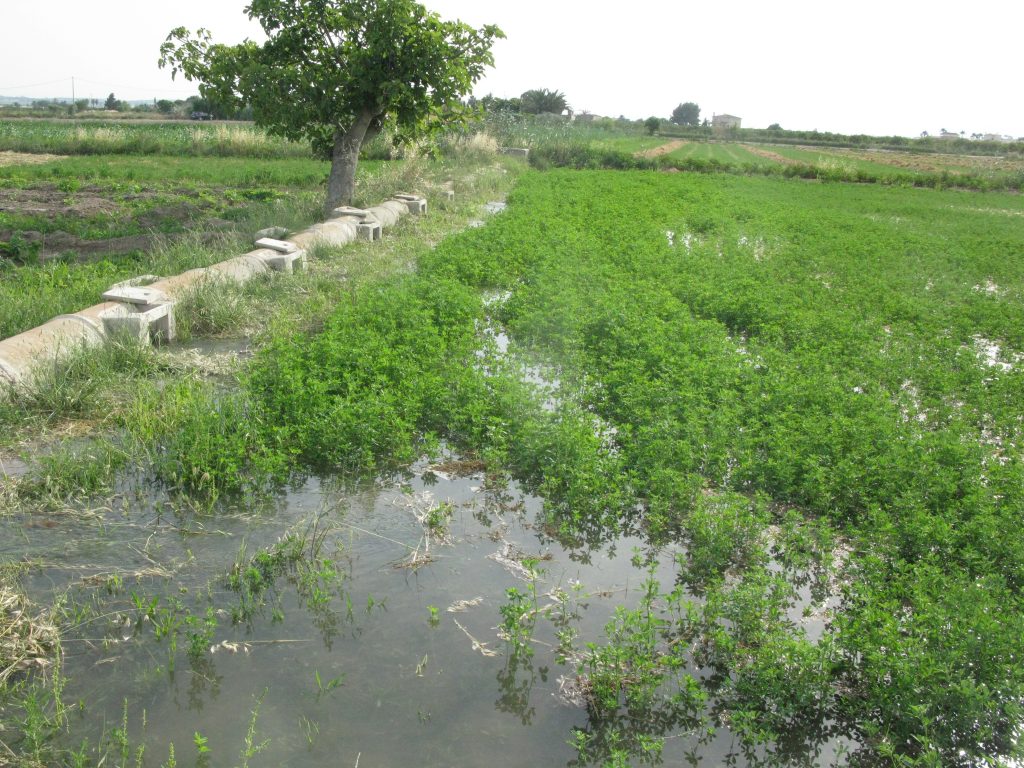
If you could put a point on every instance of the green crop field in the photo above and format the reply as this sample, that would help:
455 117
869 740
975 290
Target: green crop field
808 393
788 410
805 384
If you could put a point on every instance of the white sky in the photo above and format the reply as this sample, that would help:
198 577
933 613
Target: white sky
894 67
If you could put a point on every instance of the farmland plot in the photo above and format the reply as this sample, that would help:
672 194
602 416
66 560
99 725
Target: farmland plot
749 450
72 227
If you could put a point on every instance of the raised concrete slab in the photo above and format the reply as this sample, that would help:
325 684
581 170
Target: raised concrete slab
348 210
281 246
141 297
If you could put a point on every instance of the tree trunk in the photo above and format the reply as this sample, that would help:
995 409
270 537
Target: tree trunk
344 159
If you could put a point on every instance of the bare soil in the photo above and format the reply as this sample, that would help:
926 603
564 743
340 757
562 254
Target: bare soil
769 155
49 202
664 149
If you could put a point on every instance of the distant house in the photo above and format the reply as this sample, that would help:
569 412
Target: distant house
996 137
949 135
725 123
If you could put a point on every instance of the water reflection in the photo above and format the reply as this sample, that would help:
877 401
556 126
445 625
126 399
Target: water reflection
351 645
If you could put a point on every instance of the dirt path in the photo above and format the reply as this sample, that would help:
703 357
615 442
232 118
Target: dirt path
664 149
768 155
20 158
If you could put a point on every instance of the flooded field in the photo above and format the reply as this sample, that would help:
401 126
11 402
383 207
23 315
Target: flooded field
382 646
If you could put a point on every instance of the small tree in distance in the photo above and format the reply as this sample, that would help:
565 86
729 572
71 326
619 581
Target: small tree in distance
652 124
112 103
334 72
686 114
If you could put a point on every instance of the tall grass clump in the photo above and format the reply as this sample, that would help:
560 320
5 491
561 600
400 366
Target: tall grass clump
180 139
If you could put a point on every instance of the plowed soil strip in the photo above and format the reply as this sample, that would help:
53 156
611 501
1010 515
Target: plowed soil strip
664 149
768 155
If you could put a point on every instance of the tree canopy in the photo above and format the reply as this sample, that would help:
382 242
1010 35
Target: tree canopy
686 114
542 101
334 72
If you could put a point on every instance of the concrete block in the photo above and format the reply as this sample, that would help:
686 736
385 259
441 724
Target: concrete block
515 152
281 246
370 230
154 323
415 204
286 262
449 195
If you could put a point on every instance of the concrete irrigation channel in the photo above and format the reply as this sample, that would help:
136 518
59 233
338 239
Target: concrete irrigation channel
144 306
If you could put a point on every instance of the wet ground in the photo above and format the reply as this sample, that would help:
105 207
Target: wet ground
402 664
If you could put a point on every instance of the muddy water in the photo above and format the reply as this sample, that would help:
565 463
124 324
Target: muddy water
412 692
408 691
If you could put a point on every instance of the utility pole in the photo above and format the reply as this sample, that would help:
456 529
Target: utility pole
72 94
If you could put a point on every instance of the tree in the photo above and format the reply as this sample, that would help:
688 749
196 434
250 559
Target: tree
335 72
686 114
774 127
112 103
165 106
491 103
652 124
542 101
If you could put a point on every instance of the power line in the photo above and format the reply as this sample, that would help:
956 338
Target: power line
33 85
136 87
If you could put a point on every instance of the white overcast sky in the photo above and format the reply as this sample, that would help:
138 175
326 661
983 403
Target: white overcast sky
893 67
